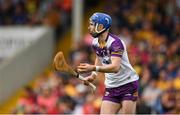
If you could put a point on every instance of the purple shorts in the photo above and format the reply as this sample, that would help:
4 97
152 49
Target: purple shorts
128 91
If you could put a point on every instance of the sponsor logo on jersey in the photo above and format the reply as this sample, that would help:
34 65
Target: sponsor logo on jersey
128 94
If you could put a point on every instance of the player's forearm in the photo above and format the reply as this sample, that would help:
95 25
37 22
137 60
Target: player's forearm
111 68
107 68
97 63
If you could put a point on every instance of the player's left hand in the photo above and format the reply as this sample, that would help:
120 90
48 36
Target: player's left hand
84 67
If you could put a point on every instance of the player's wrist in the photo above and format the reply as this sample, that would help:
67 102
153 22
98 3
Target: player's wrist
93 68
97 68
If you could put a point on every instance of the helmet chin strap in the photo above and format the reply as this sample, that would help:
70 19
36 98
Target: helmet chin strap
98 32
96 29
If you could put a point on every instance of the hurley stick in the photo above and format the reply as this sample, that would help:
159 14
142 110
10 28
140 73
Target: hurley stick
61 65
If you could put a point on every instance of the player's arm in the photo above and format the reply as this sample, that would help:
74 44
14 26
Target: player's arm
110 68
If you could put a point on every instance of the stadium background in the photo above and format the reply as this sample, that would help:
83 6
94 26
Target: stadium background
150 29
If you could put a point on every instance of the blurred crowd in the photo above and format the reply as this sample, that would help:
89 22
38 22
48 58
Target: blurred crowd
151 31
52 13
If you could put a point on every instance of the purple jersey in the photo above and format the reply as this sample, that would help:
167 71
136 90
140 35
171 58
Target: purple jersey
114 46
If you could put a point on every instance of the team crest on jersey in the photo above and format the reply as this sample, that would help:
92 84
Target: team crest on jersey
106 60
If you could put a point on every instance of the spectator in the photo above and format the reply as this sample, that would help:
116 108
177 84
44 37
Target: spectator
46 100
27 102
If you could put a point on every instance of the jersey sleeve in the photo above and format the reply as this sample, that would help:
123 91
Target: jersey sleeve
117 48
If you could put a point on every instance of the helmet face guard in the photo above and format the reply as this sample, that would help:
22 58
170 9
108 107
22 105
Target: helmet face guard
100 18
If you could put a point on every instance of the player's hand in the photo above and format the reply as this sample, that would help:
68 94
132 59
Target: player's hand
88 79
84 68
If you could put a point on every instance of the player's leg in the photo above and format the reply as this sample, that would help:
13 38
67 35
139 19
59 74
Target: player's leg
129 98
128 107
109 107
111 103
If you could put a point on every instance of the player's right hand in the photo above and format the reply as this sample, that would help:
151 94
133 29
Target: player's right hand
88 79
